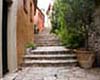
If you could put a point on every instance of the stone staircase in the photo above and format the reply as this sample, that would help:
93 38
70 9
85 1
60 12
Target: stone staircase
46 39
50 56
49 52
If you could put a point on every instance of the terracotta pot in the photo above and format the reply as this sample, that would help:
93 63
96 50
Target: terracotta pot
85 58
28 50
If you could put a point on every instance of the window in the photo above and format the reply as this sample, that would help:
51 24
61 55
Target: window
31 12
25 6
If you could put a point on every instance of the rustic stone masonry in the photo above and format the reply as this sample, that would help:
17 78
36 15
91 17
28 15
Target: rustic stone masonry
50 56
49 52
94 36
46 38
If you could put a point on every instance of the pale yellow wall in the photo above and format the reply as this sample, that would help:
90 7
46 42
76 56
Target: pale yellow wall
0 38
12 56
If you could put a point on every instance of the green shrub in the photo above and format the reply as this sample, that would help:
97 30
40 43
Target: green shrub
71 21
71 39
30 45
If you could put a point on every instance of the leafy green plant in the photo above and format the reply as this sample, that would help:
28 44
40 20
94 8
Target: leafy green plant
30 45
71 21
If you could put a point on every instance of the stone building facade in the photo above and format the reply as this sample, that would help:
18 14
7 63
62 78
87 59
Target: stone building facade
16 29
39 19
8 59
49 14
25 23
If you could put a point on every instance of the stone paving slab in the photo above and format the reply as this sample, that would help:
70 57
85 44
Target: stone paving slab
56 73
50 48
50 61
50 55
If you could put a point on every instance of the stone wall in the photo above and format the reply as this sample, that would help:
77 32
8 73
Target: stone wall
24 27
94 36
39 19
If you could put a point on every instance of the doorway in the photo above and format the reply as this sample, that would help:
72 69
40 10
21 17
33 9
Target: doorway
4 37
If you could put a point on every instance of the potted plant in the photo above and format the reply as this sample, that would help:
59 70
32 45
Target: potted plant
85 58
72 24
29 47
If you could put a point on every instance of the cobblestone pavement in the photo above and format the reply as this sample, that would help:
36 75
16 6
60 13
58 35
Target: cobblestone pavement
55 73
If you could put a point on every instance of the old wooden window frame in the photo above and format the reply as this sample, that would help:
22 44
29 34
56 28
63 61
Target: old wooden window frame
25 6
31 12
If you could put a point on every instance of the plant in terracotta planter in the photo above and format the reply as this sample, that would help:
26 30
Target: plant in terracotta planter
71 21
29 47
85 58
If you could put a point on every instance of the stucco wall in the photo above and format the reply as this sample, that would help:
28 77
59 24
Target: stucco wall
11 27
39 19
0 38
24 28
94 36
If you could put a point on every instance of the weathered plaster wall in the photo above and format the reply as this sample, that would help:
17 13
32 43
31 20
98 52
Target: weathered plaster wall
39 19
24 28
94 36
0 38
12 56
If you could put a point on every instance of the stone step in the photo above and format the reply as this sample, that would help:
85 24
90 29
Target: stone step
46 63
50 65
55 55
49 41
50 57
51 50
48 44
43 40
50 61
45 35
46 38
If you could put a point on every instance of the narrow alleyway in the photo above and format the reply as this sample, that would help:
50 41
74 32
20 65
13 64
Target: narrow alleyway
51 61
49 52
54 73
45 38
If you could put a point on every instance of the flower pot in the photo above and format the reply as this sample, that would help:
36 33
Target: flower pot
28 50
85 58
